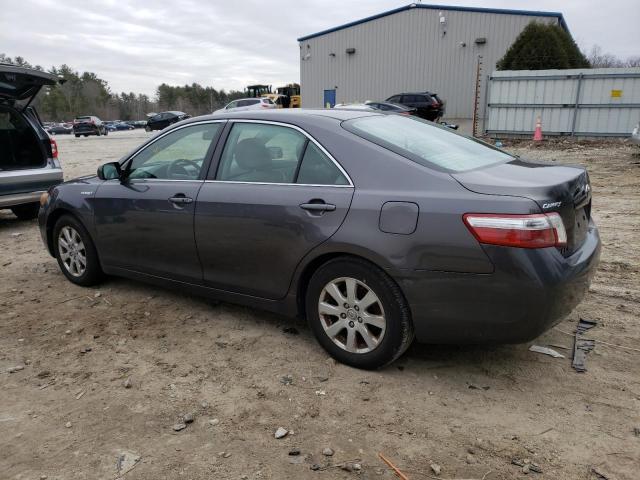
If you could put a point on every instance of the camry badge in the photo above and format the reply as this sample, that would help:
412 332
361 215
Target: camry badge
551 205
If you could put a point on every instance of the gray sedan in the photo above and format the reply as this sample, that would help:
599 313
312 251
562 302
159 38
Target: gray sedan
377 228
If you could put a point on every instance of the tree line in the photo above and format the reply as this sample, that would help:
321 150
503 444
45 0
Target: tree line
87 94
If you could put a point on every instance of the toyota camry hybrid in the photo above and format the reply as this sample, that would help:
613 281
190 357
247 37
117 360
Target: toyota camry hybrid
377 228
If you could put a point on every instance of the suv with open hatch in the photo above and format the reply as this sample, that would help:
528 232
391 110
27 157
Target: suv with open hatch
28 156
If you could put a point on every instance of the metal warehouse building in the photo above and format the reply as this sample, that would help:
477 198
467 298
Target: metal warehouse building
412 48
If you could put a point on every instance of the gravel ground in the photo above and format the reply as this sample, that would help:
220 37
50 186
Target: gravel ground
108 372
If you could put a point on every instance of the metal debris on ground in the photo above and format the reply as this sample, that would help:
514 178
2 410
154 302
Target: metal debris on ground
546 351
126 462
582 346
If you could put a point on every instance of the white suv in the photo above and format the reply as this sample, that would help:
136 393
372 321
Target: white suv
248 104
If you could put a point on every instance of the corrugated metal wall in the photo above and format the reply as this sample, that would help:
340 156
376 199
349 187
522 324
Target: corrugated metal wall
581 102
407 51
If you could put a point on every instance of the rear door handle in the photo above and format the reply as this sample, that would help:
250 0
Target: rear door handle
318 207
181 199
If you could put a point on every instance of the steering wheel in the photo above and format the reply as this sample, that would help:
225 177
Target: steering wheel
177 167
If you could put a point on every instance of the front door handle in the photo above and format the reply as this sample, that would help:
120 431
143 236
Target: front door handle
181 199
318 207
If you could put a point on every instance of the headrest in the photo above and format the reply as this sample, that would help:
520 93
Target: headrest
251 154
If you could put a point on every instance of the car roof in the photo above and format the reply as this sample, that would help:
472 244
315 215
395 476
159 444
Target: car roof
289 115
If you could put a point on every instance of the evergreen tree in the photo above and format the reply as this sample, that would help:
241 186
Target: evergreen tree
543 46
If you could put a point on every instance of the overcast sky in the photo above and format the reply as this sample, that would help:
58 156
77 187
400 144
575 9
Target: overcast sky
137 44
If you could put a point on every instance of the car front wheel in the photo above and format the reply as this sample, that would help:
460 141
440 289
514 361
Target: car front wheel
75 252
358 313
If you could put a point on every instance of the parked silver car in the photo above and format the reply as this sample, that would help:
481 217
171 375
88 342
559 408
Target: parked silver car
243 104
28 156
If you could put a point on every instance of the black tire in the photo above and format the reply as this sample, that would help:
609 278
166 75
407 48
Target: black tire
98 132
106 132
398 333
77 135
28 211
86 135
93 273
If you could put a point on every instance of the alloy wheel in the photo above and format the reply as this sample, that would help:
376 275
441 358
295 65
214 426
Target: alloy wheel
72 251
352 315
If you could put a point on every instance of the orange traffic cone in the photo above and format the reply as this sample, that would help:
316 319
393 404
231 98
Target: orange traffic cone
537 134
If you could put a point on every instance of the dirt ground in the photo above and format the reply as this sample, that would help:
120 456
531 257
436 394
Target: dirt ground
470 410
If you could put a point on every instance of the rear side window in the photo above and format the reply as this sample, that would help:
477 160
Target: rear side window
317 169
425 143
261 153
395 98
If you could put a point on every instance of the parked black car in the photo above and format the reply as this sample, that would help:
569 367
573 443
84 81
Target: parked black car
375 227
28 155
163 119
391 107
60 129
428 105
89 125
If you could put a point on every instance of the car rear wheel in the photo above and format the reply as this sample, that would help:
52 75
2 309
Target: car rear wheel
358 313
75 252
28 211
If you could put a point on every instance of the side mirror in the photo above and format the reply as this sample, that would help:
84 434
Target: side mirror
109 171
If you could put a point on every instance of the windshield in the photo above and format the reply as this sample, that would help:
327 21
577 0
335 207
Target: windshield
426 143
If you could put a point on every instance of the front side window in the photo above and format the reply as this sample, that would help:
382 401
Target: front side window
256 152
179 155
425 143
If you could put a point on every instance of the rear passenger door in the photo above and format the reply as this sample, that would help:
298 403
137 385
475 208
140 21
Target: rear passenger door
275 195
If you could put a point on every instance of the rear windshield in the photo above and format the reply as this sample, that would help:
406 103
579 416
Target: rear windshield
83 119
425 143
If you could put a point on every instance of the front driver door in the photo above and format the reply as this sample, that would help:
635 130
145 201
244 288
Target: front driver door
275 196
145 221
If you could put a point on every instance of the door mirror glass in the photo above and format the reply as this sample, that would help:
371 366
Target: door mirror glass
109 171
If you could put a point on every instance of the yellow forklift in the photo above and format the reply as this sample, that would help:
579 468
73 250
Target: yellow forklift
284 97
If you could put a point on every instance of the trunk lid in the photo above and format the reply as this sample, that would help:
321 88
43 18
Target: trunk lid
555 188
20 84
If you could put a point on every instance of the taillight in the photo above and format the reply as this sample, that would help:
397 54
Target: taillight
264 105
524 231
435 103
54 148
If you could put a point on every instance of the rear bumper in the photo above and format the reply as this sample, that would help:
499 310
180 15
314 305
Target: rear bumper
88 130
529 292
18 187
7 201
